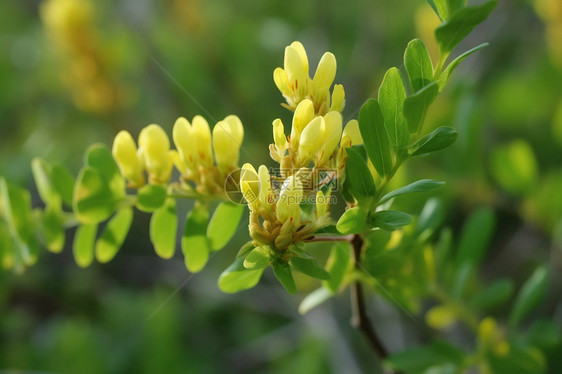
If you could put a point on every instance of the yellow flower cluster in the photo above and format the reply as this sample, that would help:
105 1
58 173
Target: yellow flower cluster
193 156
70 26
295 83
275 218
316 144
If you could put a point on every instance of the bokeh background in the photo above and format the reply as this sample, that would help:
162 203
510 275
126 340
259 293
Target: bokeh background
75 72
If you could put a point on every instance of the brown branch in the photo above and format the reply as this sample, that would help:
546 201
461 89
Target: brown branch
360 320
330 238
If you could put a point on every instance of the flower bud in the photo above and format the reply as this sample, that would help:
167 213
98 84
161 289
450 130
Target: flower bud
299 48
202 137
288 205
227 138
125 154
311 140
266 192
352 130
325 73
304 113
249 185
338 98
332 135
279 135
322 202
282 81
185 142
155 147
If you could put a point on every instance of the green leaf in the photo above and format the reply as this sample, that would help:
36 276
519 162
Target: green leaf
42 175
353 221
520 360
415 106
455 5
194 243
476 236
391 99
99 157
258 258
446 74
309 267
544 334
223 224
151 197
419 359
338 265
63 182
313 299
375 137
440 8
16 209
528 298
83 244
423 185
389 219
362 186
284 275
431 216
52 229
495 294
237 278
93 199
460 24
114 235
163 229
418 65
437 140
245 249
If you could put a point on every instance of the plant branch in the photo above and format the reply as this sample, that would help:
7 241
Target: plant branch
360 319
331 238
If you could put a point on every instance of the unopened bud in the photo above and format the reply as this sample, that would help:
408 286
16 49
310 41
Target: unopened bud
125 154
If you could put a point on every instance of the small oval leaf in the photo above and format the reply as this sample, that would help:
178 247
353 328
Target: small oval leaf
163 229
114 235
83 245
223 224
194 242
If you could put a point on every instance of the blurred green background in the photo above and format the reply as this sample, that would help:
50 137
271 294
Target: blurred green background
75 72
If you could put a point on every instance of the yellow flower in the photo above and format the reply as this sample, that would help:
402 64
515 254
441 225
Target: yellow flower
322 203
266 192
311 140
185 142
351 130
227 139
154 146
304 113
296 85
290 197
125 154
279 135
338 98
202 137
350 136
249 185
332 135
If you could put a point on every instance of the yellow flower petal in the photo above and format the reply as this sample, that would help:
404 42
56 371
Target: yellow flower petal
325 72
290 197
202 136
338 98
